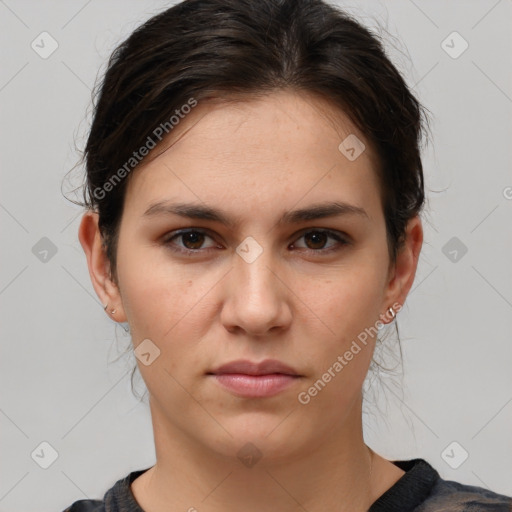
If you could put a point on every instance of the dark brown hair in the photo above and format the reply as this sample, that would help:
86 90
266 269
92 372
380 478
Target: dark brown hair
205 48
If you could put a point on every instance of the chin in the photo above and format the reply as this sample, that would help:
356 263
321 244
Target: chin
261 438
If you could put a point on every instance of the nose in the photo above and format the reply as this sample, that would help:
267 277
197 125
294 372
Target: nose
257 296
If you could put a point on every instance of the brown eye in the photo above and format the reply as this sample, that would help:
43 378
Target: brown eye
316 239
192 239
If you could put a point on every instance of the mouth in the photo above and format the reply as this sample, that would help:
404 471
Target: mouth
255 380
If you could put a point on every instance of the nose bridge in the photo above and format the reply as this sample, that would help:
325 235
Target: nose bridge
256 301
252 268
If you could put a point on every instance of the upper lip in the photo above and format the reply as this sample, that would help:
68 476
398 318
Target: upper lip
266 367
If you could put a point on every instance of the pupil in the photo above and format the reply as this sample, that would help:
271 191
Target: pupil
317 238
194 238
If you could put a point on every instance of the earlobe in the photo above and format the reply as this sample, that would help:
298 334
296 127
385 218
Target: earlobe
99 267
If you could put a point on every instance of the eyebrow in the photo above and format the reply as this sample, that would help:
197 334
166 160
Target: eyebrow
199 211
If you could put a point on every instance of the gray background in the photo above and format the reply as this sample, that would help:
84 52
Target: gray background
60 380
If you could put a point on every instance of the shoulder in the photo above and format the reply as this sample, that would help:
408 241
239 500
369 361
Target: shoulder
451 496
118 497
421 489
86 506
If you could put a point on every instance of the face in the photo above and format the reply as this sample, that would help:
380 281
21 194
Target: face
256 263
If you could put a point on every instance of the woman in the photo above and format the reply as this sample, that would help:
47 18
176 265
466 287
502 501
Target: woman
254 190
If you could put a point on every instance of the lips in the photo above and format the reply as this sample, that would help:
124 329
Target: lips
245 367
247 379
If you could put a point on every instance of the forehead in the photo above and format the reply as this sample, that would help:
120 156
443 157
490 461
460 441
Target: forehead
262 153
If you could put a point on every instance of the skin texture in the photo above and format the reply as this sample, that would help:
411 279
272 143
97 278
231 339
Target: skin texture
255 160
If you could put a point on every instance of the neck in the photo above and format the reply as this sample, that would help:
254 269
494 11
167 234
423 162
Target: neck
333 472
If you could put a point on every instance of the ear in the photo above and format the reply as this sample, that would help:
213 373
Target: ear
401 274
99 267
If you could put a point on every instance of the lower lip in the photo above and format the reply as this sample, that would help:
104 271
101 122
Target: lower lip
255 386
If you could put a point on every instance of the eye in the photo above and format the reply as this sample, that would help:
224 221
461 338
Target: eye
192 240
316 239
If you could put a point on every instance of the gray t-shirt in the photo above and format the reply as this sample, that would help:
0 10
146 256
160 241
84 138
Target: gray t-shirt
420 489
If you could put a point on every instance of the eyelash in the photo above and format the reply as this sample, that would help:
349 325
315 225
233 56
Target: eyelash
167 241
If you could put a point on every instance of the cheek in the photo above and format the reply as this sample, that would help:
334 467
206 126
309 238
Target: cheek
348 308
351 302
156 296
166 310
